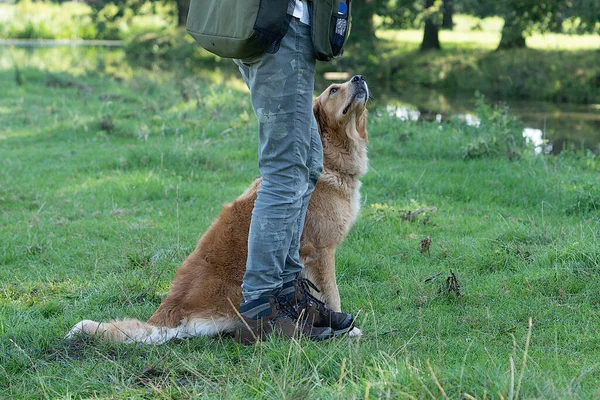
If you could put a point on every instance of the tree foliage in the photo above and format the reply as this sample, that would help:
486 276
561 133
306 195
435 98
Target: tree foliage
586 14
521 16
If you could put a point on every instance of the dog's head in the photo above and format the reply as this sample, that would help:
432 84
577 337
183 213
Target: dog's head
343 104
341 113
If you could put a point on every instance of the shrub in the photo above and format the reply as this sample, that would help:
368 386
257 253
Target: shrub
74 20
124 22
46 20
168 46
499 132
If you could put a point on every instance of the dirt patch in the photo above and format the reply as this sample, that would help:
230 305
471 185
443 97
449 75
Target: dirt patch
425 245
81 347
450 285
73 349
410 215
64 83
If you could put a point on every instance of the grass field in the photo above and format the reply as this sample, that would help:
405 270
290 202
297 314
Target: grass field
105 185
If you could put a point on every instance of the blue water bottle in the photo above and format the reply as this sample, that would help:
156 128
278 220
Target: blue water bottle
341 27
342 9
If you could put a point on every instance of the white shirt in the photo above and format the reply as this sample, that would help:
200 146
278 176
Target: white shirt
301 11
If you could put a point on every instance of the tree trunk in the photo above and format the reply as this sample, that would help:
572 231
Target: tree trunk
512 33
362 21
431 40
183 6
447 22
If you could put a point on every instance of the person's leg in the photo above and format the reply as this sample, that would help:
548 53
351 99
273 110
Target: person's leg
298 290
281 87
293 265
273 259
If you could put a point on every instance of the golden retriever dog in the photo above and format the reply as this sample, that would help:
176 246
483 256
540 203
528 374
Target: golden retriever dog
206 289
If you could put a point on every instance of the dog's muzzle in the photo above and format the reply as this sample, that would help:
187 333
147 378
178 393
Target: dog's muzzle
361 90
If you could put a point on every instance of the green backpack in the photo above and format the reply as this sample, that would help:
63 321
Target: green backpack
226 27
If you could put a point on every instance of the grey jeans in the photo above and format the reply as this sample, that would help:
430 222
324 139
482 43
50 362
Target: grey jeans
290 159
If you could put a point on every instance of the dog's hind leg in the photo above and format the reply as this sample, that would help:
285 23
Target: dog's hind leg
134 331
124 331
197 326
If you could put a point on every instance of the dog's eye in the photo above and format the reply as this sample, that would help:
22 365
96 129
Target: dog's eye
332 91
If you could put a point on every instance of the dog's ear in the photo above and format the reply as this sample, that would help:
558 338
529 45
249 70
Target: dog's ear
319 115
316 108
361 126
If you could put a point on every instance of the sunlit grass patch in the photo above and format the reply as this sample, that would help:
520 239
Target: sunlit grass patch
484 34
488 40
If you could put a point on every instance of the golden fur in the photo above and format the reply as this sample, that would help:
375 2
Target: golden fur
207 287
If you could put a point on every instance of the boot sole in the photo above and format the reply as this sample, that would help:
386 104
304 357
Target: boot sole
343 331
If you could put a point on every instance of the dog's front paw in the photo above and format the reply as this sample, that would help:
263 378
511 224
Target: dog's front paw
355 332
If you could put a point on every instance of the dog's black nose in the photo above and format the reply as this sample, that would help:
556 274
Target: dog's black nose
357 78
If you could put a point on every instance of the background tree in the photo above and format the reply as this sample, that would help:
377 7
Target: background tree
405 14
432 14
363 28
586 14
183 6
515 23
521 17
448 12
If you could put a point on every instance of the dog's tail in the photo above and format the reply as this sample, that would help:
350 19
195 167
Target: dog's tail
135 331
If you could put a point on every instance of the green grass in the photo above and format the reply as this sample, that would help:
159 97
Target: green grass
94 223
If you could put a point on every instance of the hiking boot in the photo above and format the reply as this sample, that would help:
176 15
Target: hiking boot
274 315
313 310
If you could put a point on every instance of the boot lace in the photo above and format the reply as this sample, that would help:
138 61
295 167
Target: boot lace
306 285
285 308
